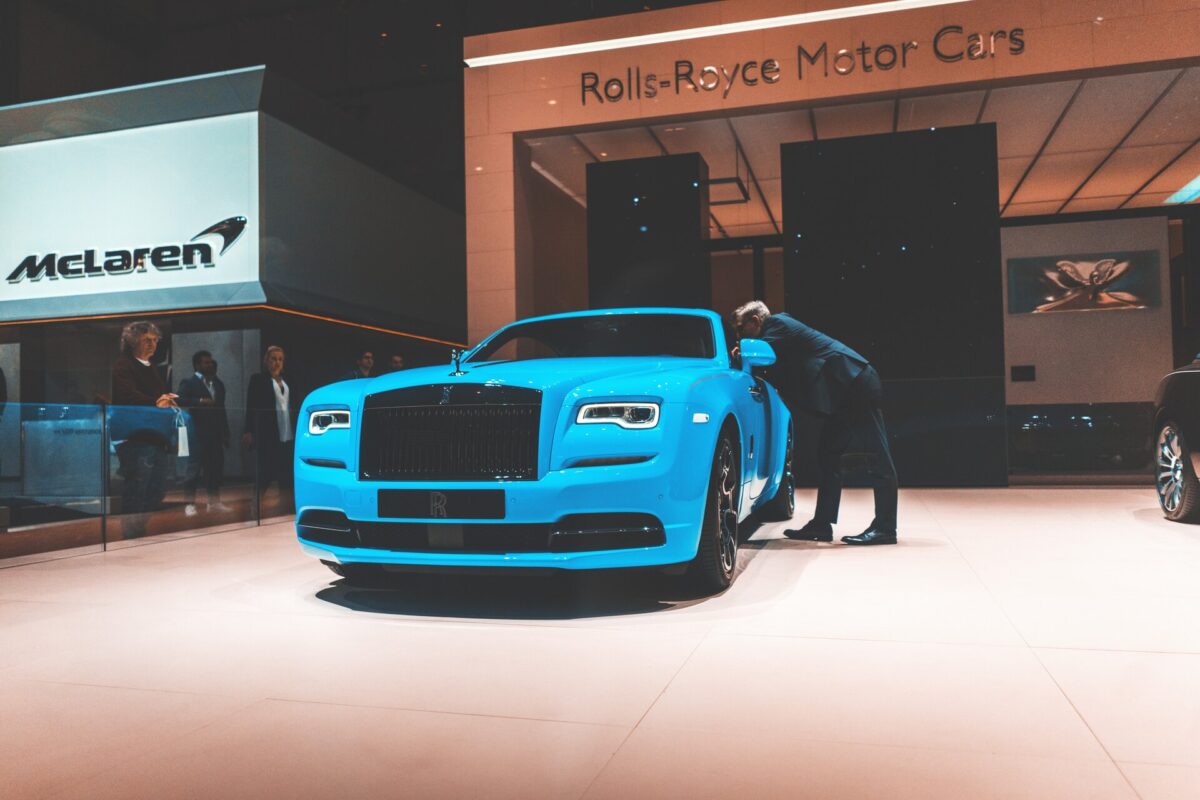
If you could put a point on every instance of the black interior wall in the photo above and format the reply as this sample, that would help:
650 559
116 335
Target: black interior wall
892 244
647 219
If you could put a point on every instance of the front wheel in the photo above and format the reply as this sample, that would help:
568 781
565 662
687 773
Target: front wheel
1178 489
712 570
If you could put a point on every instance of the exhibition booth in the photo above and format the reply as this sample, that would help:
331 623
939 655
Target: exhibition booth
233 212
993 201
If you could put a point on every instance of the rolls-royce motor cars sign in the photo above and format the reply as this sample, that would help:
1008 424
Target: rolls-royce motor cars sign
163 207
814 60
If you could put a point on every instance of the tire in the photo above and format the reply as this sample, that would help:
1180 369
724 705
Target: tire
715 564
358 574
1175 480
782 507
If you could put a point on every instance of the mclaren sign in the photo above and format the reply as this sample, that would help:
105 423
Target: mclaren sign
91 263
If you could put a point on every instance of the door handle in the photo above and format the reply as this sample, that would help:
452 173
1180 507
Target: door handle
756 391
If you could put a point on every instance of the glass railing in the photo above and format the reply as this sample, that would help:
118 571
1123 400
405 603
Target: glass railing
99 476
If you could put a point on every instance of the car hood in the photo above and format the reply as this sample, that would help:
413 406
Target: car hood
557 377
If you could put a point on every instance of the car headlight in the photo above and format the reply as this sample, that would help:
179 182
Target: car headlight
635 416
327 420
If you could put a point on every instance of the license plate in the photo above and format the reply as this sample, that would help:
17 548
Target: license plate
444 504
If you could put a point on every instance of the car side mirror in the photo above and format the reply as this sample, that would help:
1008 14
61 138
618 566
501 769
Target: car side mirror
756 353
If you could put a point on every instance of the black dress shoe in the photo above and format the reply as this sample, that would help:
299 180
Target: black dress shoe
813 531
872 536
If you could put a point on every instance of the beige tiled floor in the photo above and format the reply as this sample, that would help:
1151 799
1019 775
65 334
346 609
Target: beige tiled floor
1019 643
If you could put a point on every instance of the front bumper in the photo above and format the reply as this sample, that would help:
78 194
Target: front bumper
674 497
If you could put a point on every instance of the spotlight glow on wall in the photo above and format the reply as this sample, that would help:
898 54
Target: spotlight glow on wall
706 31
1190 192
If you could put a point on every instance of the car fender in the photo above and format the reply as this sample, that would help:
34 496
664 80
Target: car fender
712 396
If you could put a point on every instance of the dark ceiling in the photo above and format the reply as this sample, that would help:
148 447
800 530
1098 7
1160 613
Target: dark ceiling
394 65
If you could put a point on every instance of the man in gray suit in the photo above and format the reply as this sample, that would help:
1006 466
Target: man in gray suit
818 374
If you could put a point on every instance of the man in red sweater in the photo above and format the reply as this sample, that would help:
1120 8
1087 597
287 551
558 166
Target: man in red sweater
141 438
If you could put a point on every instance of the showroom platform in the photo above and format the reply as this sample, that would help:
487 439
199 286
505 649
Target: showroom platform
1019 643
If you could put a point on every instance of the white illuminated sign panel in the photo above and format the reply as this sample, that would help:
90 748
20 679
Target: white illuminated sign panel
156 208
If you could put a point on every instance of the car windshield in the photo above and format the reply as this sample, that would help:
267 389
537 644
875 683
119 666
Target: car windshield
602 336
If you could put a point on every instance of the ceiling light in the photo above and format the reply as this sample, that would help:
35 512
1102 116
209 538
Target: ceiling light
552 102
1188 193
479 169
383 35
746 26
604 155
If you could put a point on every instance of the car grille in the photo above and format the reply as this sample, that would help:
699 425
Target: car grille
454 432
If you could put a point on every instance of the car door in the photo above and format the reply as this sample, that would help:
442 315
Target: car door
752 400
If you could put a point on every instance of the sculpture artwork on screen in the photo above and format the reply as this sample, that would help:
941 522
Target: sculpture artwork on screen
1119 281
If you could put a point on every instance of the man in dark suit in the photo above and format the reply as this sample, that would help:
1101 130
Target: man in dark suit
271 406
363 366
203 394
818 374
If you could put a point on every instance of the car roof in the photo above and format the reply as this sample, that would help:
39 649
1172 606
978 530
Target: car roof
711 316
602 312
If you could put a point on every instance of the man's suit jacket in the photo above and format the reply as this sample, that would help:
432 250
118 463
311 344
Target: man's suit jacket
211 422
260 410
812 371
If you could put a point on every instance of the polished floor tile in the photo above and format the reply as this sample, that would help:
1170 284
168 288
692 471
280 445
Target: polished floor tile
1017 643
665 763
1163 782
307 750
948 697
1144 707
55 735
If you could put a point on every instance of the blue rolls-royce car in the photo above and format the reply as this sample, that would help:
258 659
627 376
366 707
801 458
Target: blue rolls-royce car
588 440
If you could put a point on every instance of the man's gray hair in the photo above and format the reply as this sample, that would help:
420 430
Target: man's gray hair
755 308
271 349
132 333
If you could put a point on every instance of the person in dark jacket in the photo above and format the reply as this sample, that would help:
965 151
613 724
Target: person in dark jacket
819 375
142 449
271 406
203 394
363 366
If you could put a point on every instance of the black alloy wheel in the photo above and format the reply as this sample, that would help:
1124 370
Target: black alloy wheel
713 568
782 506
1175 480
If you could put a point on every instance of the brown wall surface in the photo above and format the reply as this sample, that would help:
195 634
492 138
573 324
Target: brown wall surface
1060 37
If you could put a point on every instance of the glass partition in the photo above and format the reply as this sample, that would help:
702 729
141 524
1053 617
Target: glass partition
94 476
51 478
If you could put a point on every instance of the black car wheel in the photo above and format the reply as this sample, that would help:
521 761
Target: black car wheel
1178 489
782 506
711 571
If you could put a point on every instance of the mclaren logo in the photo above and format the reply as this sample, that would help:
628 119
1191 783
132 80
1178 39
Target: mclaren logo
166 257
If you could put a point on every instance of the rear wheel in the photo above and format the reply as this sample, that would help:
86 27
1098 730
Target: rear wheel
712 570
1178 489
782 506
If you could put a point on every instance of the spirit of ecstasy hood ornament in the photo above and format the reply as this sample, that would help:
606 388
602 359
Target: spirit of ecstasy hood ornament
456 358
1085 286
